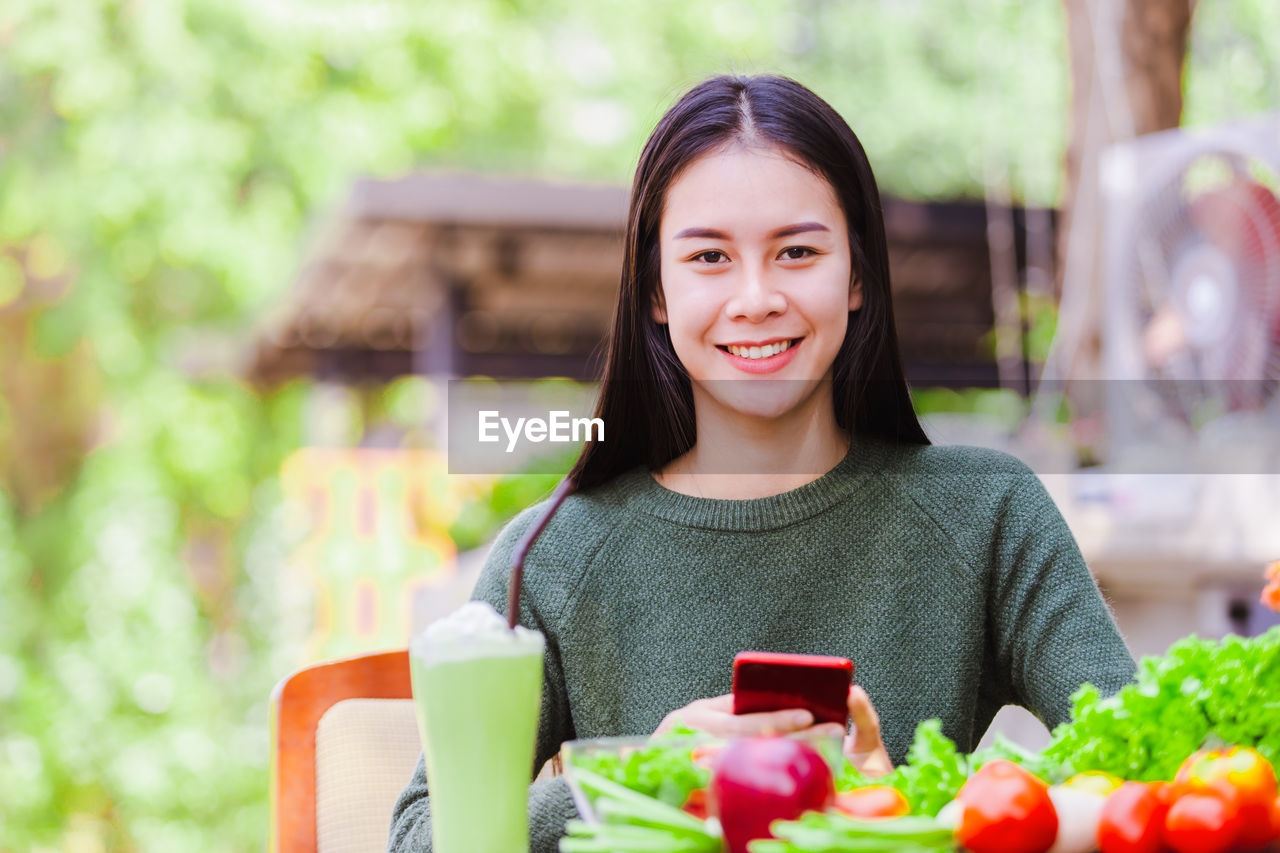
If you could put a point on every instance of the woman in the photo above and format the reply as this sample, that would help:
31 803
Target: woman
765 483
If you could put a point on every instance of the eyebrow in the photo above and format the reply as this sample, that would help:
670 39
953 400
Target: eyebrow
785 231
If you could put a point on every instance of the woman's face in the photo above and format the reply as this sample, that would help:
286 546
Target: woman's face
756 282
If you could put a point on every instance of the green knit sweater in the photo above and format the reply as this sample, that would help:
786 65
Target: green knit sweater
945 573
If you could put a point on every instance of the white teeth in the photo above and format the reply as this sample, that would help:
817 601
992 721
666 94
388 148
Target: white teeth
759 352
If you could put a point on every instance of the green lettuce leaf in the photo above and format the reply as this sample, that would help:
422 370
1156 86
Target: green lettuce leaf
1200 693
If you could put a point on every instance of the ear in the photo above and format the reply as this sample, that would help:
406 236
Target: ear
658 306
855 295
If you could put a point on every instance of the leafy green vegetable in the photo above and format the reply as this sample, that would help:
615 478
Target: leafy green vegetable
1036 763
663 769
1198 692
934 771
935 768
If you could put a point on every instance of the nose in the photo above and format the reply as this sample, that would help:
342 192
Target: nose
756 297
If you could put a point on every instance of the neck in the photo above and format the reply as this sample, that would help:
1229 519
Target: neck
739 457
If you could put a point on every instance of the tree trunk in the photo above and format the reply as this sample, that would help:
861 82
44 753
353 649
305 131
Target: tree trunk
49 405
1126 60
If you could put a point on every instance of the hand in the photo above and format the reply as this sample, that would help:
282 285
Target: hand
715 716
863 745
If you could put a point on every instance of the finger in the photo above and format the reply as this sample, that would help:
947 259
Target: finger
872 764
866 722
828 730
699 715
771 722
723 704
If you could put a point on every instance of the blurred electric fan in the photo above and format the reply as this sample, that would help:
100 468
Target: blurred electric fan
1191 286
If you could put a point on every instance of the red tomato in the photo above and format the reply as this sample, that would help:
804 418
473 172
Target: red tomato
1005 809
1275 820
1132 819
1241 774
696 804
1206 821
872 802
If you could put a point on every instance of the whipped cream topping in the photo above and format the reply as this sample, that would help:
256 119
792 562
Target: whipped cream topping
474 630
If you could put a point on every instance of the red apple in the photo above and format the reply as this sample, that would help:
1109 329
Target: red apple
762 779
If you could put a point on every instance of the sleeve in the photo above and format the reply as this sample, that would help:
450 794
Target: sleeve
550 803
1051 630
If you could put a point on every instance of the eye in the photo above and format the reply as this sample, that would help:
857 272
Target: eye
792 257
712 252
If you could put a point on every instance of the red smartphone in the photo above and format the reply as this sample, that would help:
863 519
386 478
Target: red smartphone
772 681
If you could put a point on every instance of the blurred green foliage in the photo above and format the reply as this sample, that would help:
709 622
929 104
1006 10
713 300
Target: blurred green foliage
162 163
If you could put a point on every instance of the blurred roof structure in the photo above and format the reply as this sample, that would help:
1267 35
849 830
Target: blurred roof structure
461 275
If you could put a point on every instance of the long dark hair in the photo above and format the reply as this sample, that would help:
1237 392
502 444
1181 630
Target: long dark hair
646 400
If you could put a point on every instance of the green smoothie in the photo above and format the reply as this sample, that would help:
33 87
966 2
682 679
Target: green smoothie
478 697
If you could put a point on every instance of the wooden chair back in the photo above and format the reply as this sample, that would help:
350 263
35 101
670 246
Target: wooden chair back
341 690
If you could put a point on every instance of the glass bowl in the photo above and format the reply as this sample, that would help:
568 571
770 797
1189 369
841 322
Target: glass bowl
664 767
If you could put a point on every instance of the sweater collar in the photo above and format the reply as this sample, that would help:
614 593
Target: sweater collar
769 513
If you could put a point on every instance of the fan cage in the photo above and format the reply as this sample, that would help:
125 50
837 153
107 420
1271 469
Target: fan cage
1191 280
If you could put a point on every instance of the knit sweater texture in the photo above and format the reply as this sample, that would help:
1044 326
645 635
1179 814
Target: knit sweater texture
946 574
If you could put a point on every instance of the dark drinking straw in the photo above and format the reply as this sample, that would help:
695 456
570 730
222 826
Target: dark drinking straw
517 560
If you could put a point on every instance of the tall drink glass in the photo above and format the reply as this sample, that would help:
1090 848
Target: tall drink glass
477 689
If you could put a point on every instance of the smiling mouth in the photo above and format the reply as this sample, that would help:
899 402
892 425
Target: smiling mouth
759 353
